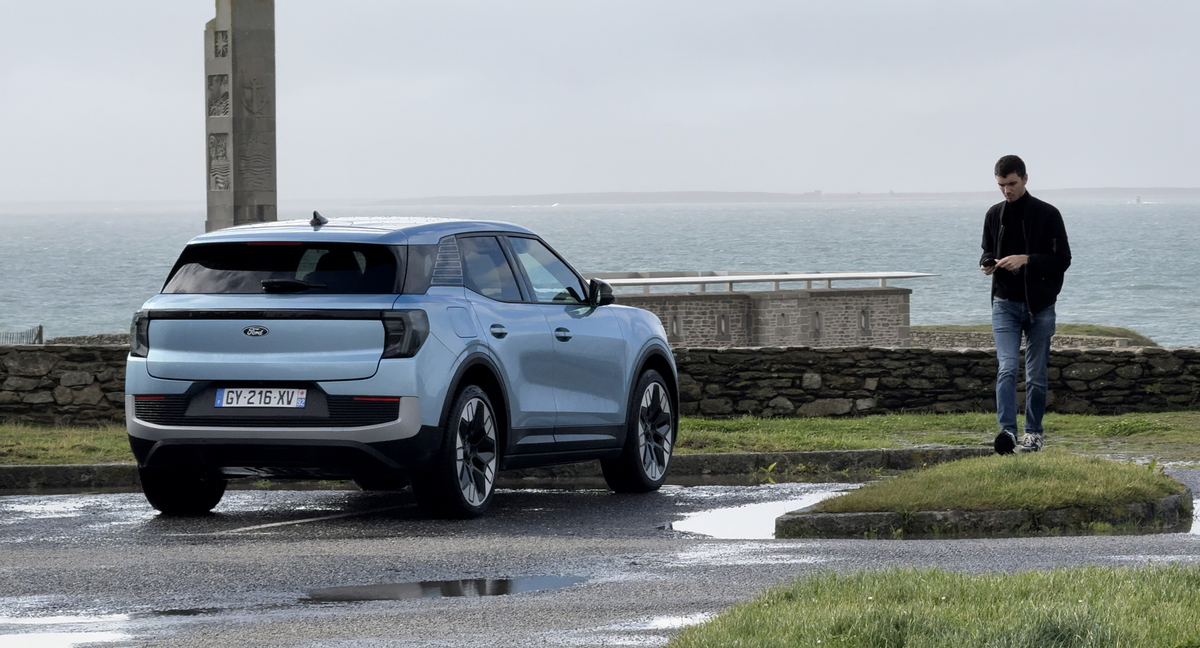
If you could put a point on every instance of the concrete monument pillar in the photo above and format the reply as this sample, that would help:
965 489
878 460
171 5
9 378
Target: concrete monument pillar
239 70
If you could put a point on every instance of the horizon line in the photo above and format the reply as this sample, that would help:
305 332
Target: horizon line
607 197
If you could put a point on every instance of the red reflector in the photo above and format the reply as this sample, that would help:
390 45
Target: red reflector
273 243
149 398
377 399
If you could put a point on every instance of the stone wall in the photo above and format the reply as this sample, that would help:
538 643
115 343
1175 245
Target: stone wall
983 340
62 384
811 317
80 384
803 381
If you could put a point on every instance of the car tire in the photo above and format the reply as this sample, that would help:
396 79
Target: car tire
649 439
461 480
180 493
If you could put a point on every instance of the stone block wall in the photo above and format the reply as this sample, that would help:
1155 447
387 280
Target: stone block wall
701 319
62 384
859 316
805 381
814 317
69 384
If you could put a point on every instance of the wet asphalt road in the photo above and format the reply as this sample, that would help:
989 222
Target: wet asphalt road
106 569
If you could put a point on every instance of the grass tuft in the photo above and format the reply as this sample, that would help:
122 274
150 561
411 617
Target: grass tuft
1029 482
1085 607
1124 427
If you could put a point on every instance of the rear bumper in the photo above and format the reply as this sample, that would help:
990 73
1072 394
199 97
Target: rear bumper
283 457
279 450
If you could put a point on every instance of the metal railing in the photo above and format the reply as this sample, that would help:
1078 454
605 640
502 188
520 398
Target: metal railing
705 278
31 336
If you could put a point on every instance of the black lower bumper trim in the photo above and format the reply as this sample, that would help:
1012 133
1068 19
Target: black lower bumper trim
290 458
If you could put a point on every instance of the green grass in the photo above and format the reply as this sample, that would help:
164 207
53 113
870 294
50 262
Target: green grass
1167 436
39 444
1090 607
1029 482
1172 437
1135 338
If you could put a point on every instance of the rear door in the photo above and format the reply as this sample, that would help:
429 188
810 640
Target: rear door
519 338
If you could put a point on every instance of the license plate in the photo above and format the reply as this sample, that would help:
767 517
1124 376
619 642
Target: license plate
265 397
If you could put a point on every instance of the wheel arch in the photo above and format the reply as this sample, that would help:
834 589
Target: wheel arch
658 359
478 369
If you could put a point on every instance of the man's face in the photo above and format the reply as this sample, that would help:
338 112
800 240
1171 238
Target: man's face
1012 186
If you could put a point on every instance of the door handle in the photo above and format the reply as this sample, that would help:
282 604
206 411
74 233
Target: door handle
498 331
562 334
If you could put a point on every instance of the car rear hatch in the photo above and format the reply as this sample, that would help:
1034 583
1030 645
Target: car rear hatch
272 312
290 339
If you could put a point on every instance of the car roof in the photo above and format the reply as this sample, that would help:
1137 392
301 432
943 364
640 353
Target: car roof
388 230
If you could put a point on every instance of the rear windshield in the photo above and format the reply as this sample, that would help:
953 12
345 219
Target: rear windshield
286 267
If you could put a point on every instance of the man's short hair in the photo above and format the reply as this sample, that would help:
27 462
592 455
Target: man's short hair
1010 164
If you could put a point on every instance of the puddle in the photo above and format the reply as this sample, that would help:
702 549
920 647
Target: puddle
60 620
59 636
442 589
746 522
651 633
61 639
745 553
1195 530
153 614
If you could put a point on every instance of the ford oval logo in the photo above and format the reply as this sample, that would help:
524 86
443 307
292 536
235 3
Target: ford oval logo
255 331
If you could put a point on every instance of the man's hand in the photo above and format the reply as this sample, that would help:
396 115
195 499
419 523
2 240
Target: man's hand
1012 263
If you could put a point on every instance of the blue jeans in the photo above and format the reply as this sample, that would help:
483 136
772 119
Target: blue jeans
1009 320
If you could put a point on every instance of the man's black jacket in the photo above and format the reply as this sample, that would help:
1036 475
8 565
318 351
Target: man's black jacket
1045 243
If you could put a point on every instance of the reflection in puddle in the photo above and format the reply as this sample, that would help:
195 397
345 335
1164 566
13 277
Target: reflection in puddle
177 613
59 620
1195 530
651 633
748 522
440 589
60 639
744 553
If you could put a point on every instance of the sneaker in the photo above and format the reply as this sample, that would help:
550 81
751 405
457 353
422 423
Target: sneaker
1031 442
1005 442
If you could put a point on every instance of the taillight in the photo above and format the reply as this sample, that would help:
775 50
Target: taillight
139 335
405 331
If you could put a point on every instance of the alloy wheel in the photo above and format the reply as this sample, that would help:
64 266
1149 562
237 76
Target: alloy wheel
475 451
654 431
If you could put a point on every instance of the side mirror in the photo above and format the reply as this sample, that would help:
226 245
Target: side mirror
600 293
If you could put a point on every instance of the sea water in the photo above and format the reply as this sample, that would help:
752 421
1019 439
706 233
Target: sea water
82 269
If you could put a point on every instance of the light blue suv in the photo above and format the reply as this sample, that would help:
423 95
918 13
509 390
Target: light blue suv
390 351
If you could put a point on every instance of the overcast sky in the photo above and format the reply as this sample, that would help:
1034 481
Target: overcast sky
386 99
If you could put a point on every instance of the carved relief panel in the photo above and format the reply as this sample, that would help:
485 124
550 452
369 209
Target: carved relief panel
220 44
219 167
218 95
254 163
255 98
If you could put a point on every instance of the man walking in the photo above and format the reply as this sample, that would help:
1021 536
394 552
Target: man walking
1025 252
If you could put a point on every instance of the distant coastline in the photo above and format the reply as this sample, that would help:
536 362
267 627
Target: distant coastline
291 207
1145 194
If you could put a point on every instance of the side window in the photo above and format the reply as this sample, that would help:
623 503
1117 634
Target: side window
486 270
552 279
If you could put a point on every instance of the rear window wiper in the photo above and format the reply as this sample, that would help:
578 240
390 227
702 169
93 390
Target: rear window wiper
287 285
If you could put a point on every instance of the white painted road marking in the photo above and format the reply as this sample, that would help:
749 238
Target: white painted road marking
292 522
